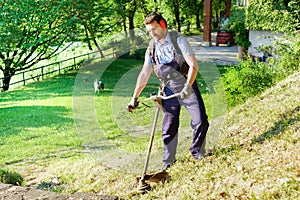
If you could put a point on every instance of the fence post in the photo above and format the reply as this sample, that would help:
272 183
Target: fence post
23 78
59 67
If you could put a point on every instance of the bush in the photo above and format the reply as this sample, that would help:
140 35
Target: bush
288 53
11 177
245 80
249 78
272 15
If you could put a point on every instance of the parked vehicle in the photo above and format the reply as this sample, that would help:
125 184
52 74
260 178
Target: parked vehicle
224 37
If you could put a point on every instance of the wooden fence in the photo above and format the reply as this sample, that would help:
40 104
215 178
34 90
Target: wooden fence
34 74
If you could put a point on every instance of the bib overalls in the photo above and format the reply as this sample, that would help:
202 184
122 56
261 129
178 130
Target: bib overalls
173 82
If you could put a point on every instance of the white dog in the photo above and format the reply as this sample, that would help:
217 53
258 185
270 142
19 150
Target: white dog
98 86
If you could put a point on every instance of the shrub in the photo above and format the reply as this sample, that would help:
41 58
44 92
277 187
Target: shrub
288 53
245 80
274 15
11 177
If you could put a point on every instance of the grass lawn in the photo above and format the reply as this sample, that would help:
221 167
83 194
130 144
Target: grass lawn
60 128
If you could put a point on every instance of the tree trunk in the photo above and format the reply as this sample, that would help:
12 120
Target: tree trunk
87 39
198 24
198 5
96 44
176 12
92 34
242 52
8 73
124 27
131 27
216 24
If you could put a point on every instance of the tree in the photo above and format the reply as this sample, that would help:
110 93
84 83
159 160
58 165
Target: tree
94 16
273 15
219 11
31 31
128 9
198 11
192 8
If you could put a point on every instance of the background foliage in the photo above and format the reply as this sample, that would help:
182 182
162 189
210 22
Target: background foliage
250 78
274 15
246 80
32 31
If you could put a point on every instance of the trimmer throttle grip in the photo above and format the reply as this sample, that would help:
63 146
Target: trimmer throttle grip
133 105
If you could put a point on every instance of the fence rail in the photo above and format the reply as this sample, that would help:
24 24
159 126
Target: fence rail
30 75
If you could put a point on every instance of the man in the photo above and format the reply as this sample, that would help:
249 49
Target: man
167 63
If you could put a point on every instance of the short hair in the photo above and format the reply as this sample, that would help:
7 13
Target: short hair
155 16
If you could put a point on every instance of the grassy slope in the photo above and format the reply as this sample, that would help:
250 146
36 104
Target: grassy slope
256 157
259 154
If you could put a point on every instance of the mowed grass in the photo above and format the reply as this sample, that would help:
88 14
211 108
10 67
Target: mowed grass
59 128
37 122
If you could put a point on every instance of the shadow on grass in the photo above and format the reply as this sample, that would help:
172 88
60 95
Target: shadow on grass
287 119
58 86
17 118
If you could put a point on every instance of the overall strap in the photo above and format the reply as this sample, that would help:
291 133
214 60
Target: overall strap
184 68
174 35
151 49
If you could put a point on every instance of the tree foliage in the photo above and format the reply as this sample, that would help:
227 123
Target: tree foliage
94 18
280 16
31 31
36 30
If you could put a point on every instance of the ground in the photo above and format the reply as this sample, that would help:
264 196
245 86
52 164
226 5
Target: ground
11 192
221 55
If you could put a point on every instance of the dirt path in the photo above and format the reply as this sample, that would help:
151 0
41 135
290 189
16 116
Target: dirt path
11 192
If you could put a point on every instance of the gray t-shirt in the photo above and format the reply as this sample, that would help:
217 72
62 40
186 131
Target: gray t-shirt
165 52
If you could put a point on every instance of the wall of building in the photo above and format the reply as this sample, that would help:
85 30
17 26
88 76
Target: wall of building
261 38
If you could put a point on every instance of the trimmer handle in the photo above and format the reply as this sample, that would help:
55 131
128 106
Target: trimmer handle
155 97
130 107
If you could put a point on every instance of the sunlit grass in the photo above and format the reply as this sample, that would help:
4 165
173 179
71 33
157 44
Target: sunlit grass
254 157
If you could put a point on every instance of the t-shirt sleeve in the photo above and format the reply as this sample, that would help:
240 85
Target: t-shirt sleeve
184 46
148 59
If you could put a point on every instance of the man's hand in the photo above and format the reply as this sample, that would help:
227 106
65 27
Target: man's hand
186 91
133 104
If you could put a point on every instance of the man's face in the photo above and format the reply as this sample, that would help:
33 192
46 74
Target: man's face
155 30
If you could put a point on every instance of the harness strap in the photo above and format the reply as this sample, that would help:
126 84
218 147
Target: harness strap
174 35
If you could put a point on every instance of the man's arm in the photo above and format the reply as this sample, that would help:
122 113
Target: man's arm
142 80
190 58
193 69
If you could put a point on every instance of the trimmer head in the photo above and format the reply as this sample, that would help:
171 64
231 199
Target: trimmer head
143 186
150 180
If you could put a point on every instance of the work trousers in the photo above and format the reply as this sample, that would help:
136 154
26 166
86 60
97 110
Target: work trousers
199 123
173 82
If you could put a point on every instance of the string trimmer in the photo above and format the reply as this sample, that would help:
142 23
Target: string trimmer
143 186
